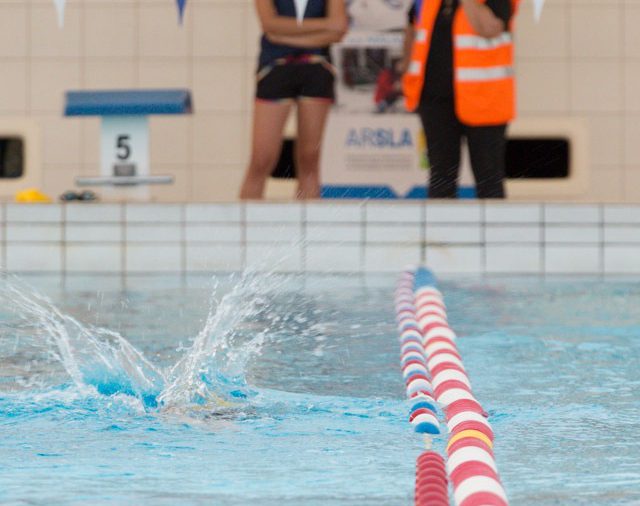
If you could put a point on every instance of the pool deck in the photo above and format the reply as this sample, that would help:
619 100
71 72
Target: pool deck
334 236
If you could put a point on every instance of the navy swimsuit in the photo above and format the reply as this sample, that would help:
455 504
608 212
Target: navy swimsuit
270 52
287 72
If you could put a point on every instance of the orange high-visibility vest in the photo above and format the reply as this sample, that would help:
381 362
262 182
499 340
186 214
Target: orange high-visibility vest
483 82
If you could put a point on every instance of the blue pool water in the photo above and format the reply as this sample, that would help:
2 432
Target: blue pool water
276 390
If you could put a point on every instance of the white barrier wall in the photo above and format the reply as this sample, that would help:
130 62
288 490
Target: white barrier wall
376 236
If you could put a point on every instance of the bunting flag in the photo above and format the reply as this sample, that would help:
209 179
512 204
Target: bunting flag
60 10
181 5
301 8
537 9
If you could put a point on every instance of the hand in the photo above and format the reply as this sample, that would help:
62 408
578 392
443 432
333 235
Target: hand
273 38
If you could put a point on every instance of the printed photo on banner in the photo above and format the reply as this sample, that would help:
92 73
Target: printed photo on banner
373 147
368 59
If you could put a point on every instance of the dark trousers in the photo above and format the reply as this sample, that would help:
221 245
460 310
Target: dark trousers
486 147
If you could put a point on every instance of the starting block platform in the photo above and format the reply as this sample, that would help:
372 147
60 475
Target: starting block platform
124 138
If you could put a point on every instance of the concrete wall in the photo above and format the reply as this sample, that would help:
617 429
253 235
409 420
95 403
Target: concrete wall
582 60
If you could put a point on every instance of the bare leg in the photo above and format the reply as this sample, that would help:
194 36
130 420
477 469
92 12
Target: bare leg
312 118
268 123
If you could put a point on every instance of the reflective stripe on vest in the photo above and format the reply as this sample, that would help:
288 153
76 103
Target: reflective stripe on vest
484 73
484 84
421 35
415 68
481 43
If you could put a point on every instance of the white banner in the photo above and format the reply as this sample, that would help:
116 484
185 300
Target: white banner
378 15
368 154
374 151
373 147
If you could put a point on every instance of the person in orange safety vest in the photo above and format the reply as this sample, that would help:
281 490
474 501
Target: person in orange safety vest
459 77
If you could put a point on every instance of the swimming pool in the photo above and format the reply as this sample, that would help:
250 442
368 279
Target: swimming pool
287 389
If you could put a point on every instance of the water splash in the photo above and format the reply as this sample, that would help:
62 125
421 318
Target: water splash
210 376
91 356
213 369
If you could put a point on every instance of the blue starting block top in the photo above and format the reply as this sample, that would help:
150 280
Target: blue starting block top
128 102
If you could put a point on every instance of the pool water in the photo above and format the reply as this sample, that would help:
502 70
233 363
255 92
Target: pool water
283 390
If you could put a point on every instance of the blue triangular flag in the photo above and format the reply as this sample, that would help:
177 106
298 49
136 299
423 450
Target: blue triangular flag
181 5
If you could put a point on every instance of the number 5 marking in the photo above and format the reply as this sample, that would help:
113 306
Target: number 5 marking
123 146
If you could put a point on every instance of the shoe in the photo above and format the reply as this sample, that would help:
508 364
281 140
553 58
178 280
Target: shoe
85 196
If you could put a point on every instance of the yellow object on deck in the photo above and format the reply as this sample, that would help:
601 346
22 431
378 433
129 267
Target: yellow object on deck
32 196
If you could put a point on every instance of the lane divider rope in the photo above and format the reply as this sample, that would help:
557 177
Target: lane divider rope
471 466
431 487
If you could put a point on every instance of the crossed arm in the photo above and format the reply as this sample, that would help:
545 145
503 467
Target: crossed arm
482 18
313 32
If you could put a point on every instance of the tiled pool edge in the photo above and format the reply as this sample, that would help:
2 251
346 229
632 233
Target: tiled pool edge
372 236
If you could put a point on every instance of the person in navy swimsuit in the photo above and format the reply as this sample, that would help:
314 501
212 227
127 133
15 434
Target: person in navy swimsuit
294 67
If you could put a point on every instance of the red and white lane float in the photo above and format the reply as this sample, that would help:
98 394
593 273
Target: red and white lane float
471 466
414 361
432 487
431 478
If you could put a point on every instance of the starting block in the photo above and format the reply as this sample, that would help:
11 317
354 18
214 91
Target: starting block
124 138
